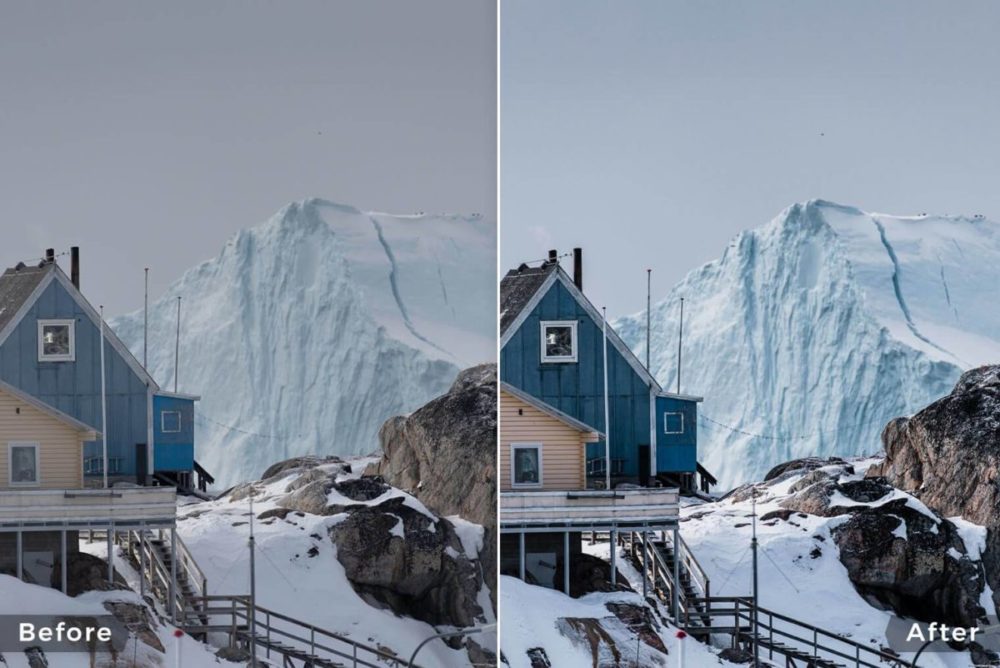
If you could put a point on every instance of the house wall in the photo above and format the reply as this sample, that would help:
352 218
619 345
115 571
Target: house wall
578 388
75 387
677 452
174 450
563 446
60 451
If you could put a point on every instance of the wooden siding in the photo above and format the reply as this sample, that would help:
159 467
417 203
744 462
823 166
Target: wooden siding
563 446
577 389
75 387
60 450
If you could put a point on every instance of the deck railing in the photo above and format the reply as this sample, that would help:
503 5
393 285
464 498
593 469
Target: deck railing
70 506
585 508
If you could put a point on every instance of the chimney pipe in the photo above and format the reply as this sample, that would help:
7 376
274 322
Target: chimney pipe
553 257
50 255
74 266
578 268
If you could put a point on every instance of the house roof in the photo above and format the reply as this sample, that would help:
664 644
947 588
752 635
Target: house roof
518 287
49 410
17 285
552 411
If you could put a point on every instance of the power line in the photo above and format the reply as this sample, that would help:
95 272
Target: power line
216 423
770 437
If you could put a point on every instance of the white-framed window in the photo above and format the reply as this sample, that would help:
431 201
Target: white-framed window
525 464
559 340
22 464
170 422
673 423
56 340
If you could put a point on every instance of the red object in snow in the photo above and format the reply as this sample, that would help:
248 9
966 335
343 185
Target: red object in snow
178 633
681 634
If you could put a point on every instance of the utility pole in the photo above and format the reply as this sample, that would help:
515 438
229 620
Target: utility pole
756 601
649 276
104 407
607 414
177 345
145 323
680 346
252 621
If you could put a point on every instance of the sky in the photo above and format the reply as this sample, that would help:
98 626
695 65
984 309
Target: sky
149 133
650 133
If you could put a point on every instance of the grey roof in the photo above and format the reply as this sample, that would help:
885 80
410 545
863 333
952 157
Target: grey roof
517 288
16 286
549 409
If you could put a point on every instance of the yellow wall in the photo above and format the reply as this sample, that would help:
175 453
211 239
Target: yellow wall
60 445
563 447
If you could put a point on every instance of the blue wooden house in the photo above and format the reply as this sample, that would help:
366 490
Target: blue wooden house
551 348
50 348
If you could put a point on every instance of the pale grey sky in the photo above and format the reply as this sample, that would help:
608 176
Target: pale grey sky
650 132
148 133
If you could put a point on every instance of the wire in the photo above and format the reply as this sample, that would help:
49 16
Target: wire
241 431
770 437
781 572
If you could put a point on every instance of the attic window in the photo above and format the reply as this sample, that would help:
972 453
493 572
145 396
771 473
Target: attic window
56 340
559 341
673 423
170 422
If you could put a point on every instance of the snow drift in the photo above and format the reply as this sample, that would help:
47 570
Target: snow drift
810 333
307 332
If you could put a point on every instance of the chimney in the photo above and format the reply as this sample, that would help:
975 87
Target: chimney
578 268
74 266
50 255
553 257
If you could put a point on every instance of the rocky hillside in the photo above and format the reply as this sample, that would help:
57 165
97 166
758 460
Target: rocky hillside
445 455
398 572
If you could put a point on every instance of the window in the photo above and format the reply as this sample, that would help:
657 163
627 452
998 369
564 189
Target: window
673 423
170 422
56 341
526 464
22 462
95 465
559 341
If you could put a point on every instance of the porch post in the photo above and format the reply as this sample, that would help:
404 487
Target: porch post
645 564
613 538
111 552
566 562
142 564
173 575
62 563
520 556
677 577
20 558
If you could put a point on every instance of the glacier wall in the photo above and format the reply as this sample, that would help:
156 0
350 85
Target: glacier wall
810 333
307 332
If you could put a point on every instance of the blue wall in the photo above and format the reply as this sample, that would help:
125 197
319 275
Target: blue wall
75 387
174 450
677 452
578 388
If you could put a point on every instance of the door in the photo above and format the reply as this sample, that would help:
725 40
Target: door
141 463
644 465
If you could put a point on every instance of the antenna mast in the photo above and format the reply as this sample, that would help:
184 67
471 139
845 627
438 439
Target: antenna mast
145 323
756 602
104 410
253 590
680 345
607 415
649 275
177 345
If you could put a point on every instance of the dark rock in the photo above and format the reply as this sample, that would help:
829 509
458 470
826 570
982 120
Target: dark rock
445 454
424 575
364 488
781 514
234 654
804 464
307 462
479 655
867 490
736 655
538 658
640 620
280 513
137 620
85 572
916 576
589 574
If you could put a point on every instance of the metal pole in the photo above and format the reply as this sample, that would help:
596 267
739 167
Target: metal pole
142 564
607 414
253 581
104 406
676 594
645 563
613 539
566 562
62 566
649 276
177 344
449 634
111 552
520 556
173 575
756 602
145 324
680 344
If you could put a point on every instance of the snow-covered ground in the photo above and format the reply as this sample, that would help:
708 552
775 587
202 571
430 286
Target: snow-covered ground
833 321
298 573
799 567
21 599
308 331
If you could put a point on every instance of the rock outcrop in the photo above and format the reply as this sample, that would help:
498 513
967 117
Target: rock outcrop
948 454
445 455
